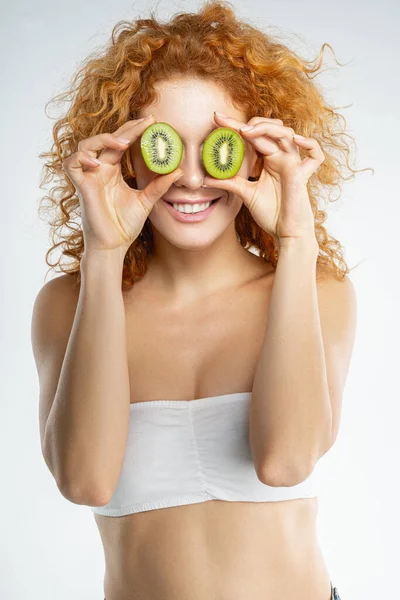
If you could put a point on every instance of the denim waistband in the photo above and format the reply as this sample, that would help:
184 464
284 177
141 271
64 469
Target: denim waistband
334 593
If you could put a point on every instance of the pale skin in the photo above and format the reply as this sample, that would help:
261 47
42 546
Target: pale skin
199 275
253 550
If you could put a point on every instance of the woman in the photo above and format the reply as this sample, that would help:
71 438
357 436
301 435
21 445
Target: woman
188 385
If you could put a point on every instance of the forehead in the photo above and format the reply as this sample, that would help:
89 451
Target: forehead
189 104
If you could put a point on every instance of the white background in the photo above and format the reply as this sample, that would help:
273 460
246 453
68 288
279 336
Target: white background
50 548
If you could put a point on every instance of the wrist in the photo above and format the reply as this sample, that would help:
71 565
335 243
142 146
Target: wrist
307 245
102 261
114 256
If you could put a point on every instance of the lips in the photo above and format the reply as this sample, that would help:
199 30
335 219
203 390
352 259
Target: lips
191 217
171 202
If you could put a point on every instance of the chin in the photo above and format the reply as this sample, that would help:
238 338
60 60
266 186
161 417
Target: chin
187 239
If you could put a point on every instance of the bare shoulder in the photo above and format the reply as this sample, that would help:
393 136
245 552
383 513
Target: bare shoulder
58 297
337 301
53 310
329 284
63 284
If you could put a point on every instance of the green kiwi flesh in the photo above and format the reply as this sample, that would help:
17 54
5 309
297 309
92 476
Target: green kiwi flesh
161 148
223 153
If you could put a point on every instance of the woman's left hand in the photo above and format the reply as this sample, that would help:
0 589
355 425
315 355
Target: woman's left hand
278 201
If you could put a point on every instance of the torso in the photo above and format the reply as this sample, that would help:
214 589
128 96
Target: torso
213 550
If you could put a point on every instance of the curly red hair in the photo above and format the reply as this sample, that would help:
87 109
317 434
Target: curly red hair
263 76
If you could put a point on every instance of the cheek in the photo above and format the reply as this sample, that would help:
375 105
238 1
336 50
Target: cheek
232 203
142 171
143 174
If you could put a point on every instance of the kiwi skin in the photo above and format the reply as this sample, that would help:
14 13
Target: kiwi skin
161 148
223 153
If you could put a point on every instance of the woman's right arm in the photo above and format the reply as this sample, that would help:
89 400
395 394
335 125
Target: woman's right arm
84 382
80 343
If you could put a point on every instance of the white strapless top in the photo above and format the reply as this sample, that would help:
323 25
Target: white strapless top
183 452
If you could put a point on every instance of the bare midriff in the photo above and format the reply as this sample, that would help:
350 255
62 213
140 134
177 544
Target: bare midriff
216 550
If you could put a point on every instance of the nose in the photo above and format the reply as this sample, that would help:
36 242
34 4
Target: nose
193 168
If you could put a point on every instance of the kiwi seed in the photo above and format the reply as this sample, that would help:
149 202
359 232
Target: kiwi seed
223 153
161 148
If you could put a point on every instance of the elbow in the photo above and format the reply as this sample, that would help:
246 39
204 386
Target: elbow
88 495
276 475
77 493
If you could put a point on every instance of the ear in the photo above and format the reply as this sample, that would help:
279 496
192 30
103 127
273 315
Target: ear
256 167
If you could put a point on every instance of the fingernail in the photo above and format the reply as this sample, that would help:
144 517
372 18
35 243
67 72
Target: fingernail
220 114
123 140
246 128
179 176
298 137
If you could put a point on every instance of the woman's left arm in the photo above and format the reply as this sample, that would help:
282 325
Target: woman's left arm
300 376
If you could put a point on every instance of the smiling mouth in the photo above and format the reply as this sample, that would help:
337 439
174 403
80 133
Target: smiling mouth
205 202
191 214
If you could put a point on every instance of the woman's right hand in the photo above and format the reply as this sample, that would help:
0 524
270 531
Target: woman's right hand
113 214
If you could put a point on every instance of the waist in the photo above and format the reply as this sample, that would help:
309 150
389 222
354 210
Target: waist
215 549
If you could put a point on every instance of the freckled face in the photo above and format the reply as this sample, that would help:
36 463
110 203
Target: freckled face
188 105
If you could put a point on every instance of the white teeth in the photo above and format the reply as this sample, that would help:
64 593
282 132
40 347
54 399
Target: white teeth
191 208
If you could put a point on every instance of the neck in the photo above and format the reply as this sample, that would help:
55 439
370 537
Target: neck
189 274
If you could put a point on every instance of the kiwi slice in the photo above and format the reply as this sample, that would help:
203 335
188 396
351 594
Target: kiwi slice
223 153
161 148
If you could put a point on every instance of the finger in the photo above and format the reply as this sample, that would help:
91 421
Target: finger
73 166
282 136
110 147
130 132
99 142
238 124
236 185
275 130
256 120
316 156
157 188
129 124
263 145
